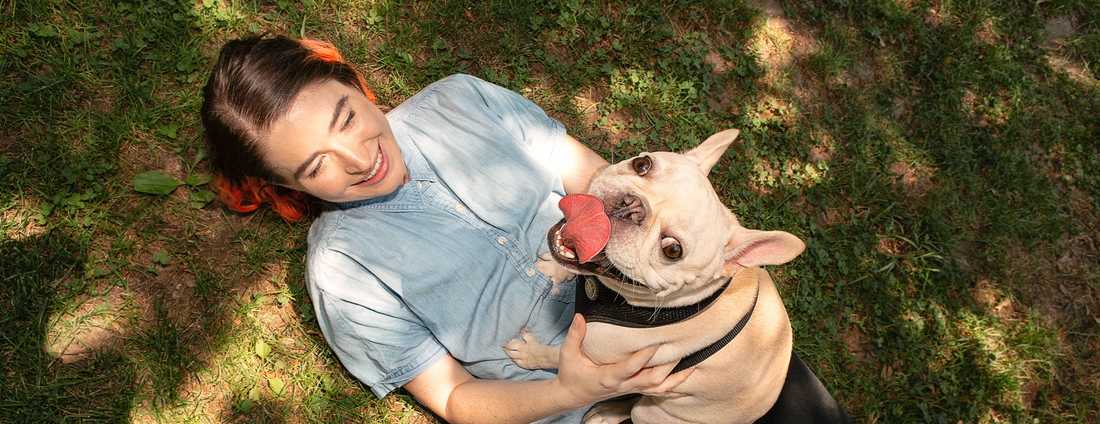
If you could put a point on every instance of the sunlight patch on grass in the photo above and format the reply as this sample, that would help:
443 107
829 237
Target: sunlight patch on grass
24 218
779 45
1075 71
74 333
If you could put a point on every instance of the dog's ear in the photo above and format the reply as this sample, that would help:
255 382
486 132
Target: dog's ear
746 248
707 154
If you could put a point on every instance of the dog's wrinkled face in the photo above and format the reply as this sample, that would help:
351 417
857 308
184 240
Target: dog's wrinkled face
668 227
672 240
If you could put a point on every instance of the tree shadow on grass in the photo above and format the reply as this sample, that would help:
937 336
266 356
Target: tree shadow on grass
882 301
936 179
927 170
81 92
37 386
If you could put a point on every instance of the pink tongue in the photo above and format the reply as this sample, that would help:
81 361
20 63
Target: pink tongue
587 228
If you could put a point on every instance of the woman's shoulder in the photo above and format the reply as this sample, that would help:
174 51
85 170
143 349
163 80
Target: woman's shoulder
457 93
328 241
332 264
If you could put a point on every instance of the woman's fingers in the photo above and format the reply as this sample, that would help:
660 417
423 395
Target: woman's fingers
628 368
651 376
573 338
627 376
670 383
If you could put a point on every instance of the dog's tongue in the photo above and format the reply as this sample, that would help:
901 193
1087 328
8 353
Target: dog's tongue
587 228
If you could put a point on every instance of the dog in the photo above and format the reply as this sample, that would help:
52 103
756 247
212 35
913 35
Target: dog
677 269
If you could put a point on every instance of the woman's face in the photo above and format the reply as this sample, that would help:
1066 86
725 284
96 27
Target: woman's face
334 144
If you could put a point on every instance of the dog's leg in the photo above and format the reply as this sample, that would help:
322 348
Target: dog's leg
527 352
552 270
613 411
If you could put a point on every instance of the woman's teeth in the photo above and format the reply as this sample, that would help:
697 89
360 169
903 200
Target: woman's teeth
561 249
377 165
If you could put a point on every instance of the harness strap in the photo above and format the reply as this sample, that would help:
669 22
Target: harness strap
597 303
697 357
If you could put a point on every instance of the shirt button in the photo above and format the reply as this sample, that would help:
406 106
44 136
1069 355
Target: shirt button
459 208
502 241
530 272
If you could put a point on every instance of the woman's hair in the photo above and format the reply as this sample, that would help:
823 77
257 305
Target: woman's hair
252 85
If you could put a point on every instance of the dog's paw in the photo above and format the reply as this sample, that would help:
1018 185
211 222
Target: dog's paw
529 353
552 269
608 412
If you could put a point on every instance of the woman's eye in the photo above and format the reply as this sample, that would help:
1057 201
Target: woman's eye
641 165
671 248
347 122
317 168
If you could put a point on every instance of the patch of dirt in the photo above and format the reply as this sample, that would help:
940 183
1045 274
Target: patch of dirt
273 316
1058 29
586 103
7 143
1076 71
781 44
765 176
995 303
92 327
717 63
935 15
1060 283
833 216
856 342
411 414
824 148
916 180
23 216
902 109
586 106
147 154
891 246
987 32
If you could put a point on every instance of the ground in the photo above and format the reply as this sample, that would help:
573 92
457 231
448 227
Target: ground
940 159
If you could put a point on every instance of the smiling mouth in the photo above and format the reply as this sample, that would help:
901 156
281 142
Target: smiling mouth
377 171
599 265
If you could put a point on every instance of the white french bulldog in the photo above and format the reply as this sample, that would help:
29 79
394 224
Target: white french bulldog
673 243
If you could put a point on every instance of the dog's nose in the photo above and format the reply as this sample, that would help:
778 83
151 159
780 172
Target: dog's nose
630 209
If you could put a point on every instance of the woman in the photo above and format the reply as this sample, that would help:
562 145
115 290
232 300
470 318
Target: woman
422 263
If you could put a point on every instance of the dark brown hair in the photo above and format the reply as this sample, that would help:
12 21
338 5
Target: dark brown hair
251 86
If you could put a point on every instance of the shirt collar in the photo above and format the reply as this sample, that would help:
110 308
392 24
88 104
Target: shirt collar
418 167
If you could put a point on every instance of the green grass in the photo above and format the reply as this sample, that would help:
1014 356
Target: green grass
941 160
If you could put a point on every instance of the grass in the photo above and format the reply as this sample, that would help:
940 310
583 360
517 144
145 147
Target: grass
941 159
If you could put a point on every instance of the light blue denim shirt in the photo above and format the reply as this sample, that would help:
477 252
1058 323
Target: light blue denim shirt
446 263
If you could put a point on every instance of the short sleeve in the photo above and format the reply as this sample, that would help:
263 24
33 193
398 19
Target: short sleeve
375 336
540 134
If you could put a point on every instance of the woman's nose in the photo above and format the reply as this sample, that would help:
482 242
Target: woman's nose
357 161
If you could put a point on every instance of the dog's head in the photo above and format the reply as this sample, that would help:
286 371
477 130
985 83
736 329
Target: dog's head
672 241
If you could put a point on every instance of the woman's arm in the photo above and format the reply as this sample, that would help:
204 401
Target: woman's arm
456 396
576 164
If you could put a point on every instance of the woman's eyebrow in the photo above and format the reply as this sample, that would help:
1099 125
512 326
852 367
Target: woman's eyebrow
336 113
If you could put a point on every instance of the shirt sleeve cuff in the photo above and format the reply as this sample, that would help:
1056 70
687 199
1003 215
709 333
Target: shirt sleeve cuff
400 377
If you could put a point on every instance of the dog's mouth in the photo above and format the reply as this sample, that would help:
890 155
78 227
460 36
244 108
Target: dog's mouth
564 252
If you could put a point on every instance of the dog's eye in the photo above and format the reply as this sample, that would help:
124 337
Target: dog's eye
671 248
641 165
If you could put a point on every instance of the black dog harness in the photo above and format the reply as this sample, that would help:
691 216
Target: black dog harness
597 303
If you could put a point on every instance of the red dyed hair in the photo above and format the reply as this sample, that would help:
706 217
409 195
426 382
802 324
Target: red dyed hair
247 193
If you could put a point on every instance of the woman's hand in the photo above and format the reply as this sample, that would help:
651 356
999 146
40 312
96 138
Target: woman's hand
585 382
